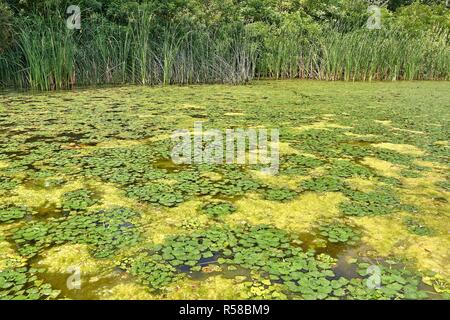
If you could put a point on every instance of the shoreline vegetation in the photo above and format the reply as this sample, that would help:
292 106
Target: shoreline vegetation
147 43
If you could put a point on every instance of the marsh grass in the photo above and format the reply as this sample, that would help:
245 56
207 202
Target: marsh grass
359 55
46 55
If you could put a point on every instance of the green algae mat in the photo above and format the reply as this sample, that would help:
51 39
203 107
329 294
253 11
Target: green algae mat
93 207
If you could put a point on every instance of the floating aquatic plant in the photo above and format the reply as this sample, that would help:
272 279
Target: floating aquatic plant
78 200
370 204
24 284
156 193
106 231
218 209
416 227
279 194
339 233
324 184
12 213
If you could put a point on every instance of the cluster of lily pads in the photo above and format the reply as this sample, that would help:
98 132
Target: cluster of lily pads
12 213
324 184
7 183
78 200
275 260
105 231
157 193
370 203
417 227
279 194
192 183
298 164
218 209
339 233
24 284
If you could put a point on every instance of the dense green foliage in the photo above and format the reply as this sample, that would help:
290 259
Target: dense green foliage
193 41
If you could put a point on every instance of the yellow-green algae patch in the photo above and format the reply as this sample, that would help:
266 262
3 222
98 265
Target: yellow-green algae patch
191 106
384 122
408 131
127 291
162 222
286 149
118 144
400 148
297 215
429 164
385 168
112 196
389 237
356 135
213 288
363 184
9 258
214 176
423 192
278 180
33 197
62 258
442 143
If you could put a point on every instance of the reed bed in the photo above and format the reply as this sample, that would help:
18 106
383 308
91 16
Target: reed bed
47 56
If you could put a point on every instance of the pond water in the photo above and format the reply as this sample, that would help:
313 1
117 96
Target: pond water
358 210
